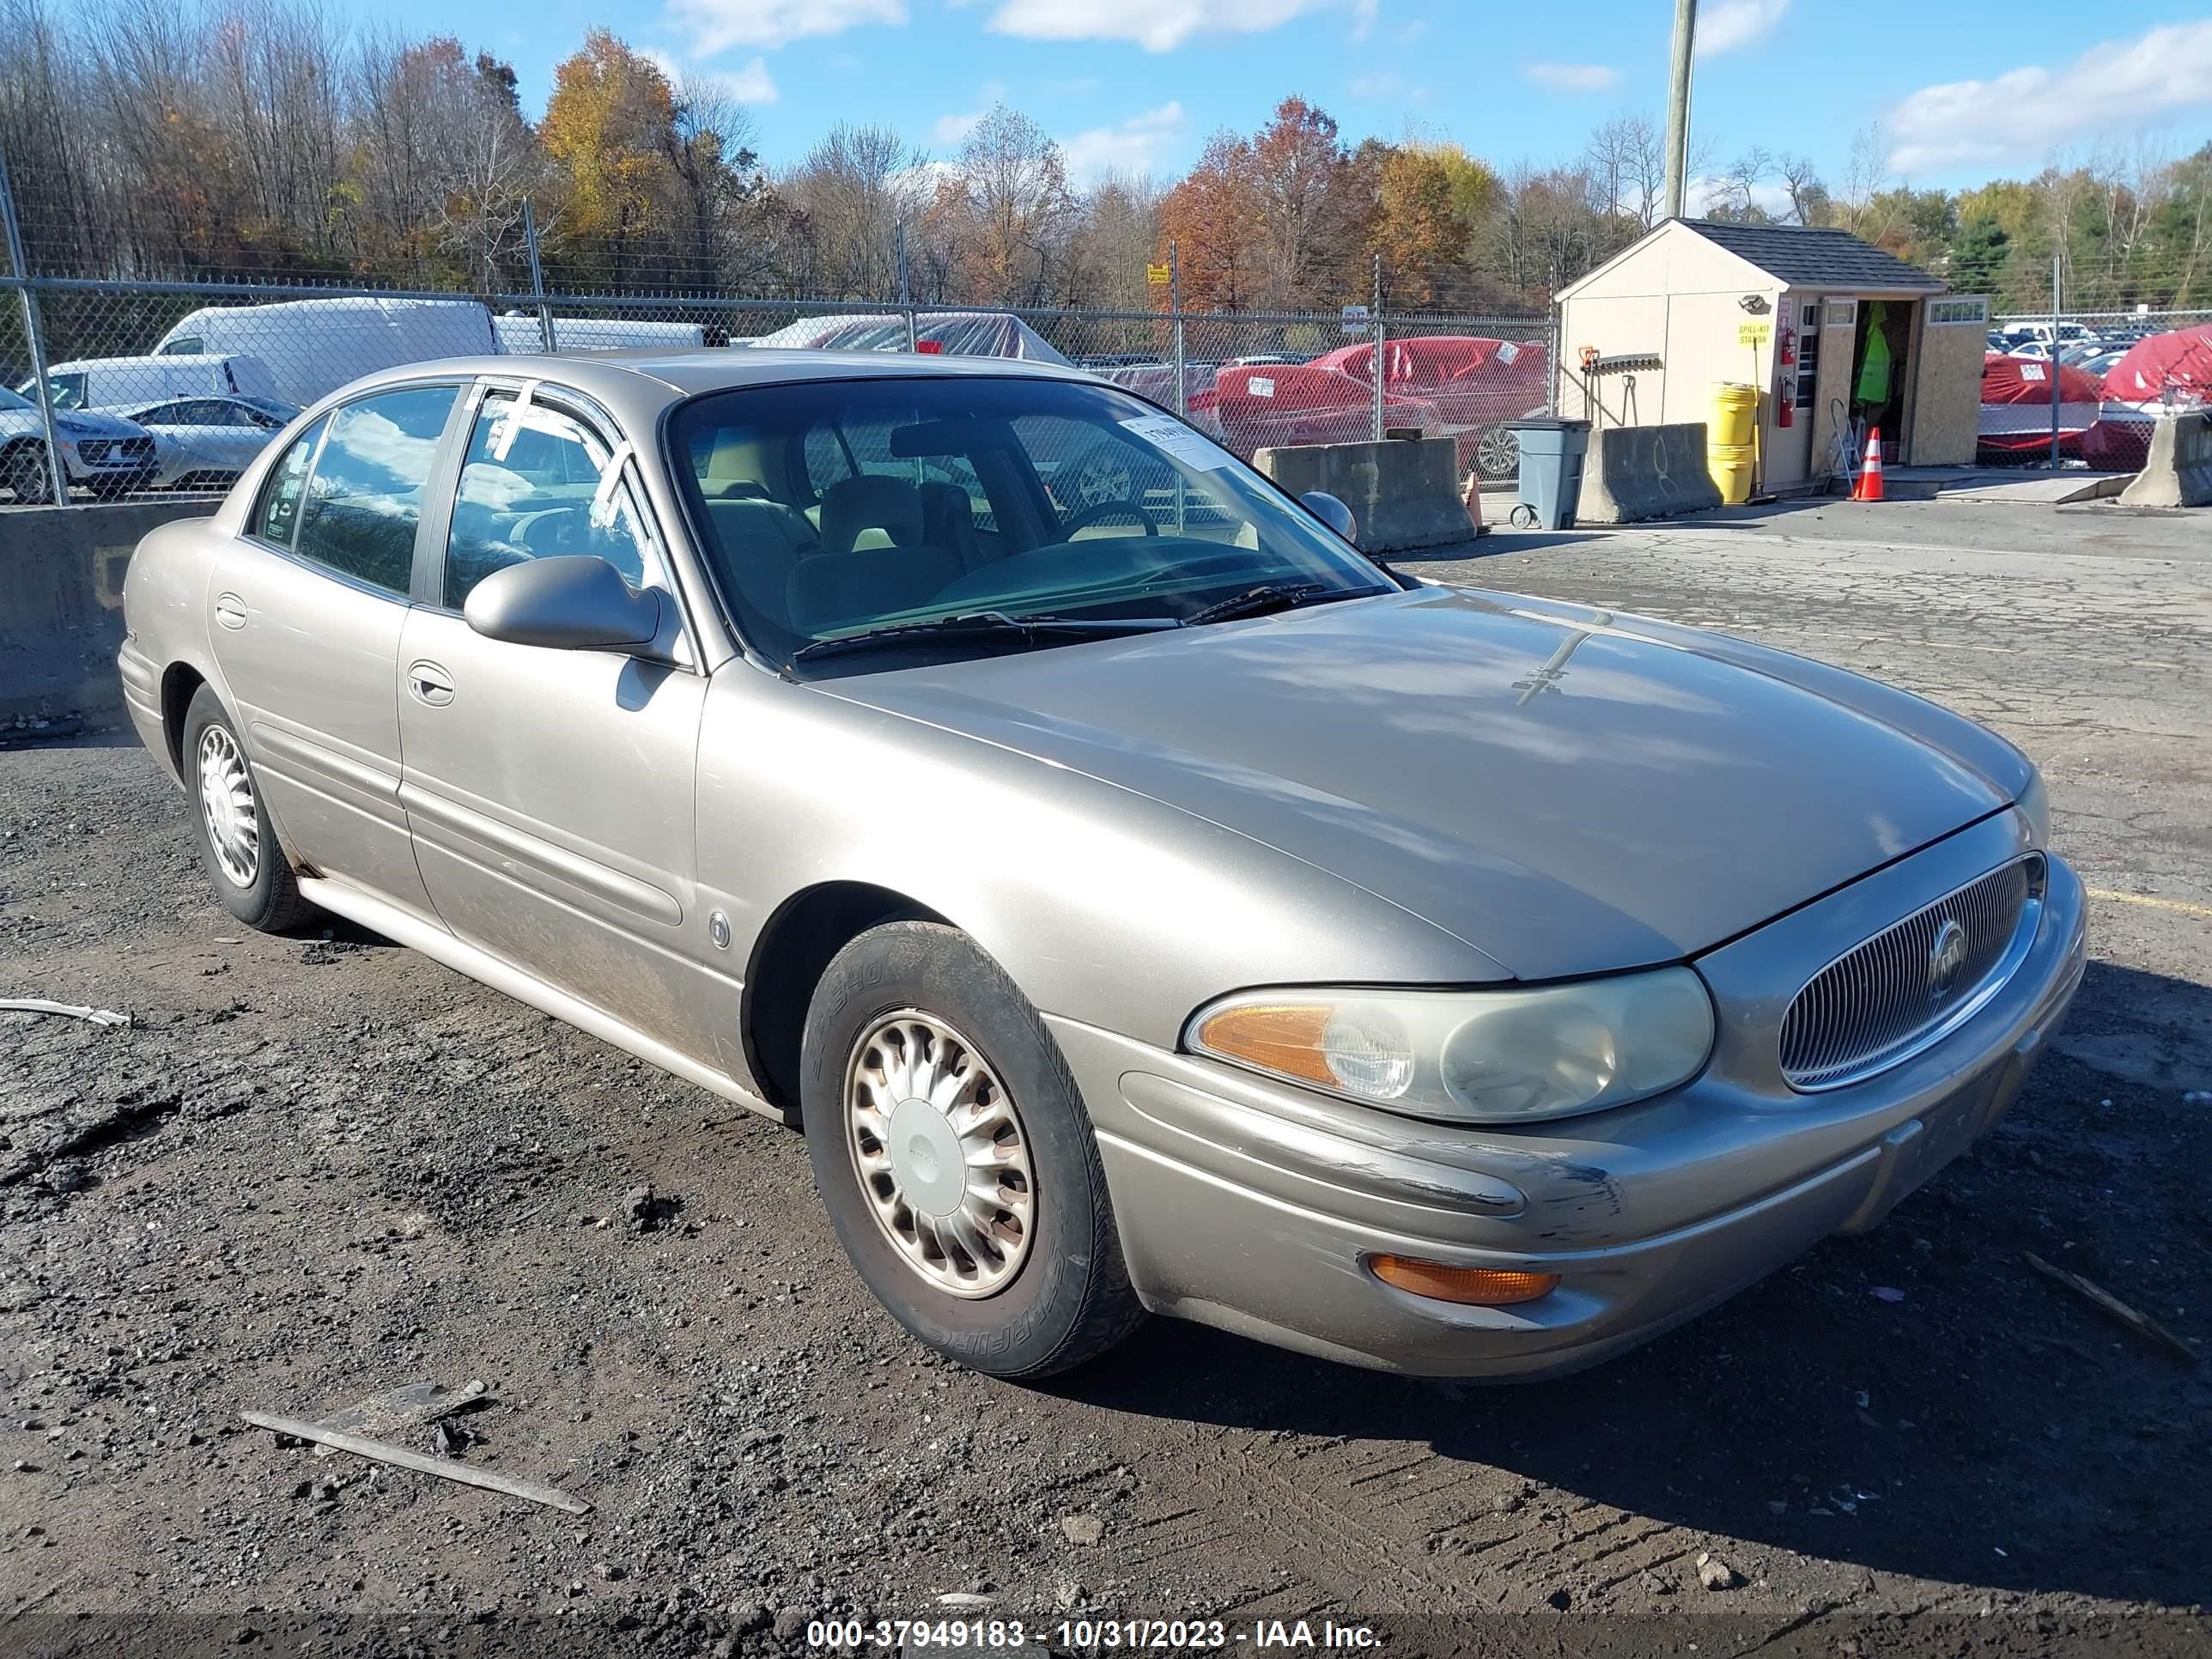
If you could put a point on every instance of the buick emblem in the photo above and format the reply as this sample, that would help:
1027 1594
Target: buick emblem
1945 956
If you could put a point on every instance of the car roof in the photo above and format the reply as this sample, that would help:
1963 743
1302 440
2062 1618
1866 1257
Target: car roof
636 383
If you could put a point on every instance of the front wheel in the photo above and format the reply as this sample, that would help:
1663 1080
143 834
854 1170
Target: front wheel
954 1156
23 471
252 877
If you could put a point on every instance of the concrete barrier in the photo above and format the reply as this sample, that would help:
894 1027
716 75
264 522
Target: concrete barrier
2178 472
61 608
1637 473
1403 491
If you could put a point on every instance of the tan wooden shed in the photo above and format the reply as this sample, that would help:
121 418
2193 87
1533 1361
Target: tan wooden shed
1809 315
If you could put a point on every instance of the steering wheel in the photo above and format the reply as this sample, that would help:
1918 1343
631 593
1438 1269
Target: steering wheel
1084 517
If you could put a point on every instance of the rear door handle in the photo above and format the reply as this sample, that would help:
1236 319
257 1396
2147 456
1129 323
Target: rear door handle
230 610
431 683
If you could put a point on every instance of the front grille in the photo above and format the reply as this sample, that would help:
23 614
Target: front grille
98 451
1883 1001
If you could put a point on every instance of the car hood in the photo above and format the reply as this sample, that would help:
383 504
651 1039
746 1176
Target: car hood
96 423
1566 791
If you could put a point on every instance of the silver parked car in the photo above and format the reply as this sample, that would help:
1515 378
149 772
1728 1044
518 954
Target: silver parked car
204 443
1139 907
102 452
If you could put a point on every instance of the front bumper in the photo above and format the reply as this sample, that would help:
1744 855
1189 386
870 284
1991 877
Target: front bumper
1254 1206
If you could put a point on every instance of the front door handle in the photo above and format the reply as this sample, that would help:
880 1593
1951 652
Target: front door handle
431 683
230 610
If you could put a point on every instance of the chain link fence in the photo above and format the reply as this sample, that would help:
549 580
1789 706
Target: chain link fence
160 387
2123 368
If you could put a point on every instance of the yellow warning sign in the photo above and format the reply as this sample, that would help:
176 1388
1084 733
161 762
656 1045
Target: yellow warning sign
1753 334
1158 274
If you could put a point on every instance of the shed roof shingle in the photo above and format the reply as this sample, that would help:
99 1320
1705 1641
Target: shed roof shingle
1814 255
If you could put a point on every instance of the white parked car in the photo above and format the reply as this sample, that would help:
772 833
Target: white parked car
204 443
117 382
104 454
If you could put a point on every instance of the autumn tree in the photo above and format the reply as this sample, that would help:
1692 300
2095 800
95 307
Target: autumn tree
1212 217
610 129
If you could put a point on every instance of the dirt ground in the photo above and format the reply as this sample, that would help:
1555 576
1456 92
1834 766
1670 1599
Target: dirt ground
314 1170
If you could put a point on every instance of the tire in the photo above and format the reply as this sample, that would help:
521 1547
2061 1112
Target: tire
23 471
1497 454
267 898
1062 1295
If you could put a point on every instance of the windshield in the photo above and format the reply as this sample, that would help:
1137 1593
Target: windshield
834 508
10 401
67 390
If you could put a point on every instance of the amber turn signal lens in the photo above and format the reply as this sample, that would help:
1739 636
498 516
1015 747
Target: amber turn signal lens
1281 1038
1478 1286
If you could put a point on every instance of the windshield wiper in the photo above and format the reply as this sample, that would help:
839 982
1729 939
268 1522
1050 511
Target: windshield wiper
985 624
1258 601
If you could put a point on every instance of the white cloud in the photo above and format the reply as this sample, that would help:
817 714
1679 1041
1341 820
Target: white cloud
1131 146
715 26
1736 23
1574 78
751 84
1705 194
2023 113
1388 84
1362 17
1156 25
950 129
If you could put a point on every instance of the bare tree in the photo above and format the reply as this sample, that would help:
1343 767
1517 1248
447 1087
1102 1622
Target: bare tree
1808 196
850 193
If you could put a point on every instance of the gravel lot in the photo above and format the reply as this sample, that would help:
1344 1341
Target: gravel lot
315 1170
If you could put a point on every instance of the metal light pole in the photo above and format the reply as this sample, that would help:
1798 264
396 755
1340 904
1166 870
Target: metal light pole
545 335
1678 108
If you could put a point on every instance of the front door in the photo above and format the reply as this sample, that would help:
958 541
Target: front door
550 792
307 606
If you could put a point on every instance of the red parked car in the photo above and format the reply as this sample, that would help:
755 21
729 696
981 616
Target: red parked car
1476 384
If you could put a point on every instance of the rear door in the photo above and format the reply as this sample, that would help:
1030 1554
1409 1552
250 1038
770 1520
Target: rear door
550 793
307 602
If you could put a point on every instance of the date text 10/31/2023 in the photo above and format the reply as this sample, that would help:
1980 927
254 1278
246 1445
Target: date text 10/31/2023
968 1635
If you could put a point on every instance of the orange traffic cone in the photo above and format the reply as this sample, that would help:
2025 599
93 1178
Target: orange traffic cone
1868 488
1473 501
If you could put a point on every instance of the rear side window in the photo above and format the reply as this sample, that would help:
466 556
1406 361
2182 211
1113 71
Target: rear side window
276 514
358 513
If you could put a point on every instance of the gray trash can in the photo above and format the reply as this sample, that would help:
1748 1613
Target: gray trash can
1551 485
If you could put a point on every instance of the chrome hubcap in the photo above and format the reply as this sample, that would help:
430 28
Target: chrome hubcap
227 807
940 1154
1496 454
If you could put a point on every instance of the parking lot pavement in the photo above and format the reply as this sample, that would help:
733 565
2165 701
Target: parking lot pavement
316 1168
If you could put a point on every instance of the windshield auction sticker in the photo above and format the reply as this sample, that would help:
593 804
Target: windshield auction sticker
1194 449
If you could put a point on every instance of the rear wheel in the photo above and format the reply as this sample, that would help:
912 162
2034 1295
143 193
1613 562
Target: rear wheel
1496 454
955 1158
253 876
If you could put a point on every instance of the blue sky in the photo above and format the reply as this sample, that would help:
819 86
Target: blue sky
1966 89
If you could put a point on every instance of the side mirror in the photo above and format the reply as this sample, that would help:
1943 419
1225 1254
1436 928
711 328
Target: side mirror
575 602
1331 512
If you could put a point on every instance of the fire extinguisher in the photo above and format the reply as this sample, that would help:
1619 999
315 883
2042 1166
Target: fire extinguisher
1785 376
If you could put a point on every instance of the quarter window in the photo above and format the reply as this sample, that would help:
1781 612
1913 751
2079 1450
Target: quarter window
535 483
358 513
276 514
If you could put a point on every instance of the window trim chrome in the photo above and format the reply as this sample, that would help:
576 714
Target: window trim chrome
2025 933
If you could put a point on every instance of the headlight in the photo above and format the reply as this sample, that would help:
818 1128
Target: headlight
1504 1056
2035 807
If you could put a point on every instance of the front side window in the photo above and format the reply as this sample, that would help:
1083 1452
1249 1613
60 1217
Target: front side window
276 514
836 508
358 513
535 483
